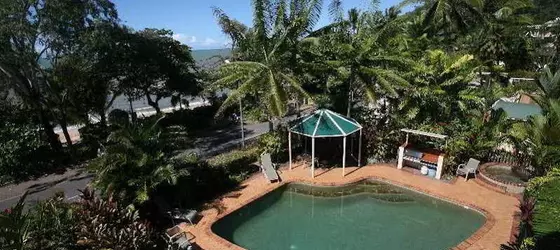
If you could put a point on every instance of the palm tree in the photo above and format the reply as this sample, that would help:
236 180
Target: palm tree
440 90
264 53
540 137
134 163
353 54
453 14
268 80
549 87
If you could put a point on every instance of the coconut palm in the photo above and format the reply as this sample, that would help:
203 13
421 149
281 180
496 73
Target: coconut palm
352 52
540 137
549 87
458 15
440 90
134 163
268 80
264 53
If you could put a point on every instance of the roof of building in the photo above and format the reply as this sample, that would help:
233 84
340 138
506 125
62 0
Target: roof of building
326 123
518 111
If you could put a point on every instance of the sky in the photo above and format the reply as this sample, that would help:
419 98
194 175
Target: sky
193 23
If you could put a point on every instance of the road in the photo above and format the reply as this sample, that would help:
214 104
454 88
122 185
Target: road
72 180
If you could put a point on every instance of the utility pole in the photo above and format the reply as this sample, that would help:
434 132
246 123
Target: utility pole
240 117
241 123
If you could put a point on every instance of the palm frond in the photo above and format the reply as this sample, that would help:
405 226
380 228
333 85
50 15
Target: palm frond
295 85
278 95
336 10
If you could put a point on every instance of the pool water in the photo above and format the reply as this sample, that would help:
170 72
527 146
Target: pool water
366 215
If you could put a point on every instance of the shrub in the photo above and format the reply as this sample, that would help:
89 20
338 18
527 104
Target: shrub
193 119
275 143
52 224
92 223
208 179
103 224
118 117
22 153
254 115
236 163
93 136
546 191
380 140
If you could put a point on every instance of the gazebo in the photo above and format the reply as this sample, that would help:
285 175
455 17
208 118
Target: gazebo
324 123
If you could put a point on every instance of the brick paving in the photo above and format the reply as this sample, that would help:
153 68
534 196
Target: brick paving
498 208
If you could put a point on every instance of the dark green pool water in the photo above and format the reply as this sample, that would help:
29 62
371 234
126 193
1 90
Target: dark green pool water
367 215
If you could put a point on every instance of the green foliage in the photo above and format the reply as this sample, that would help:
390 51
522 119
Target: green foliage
275 143
134 163
196 119
22 152
105 224
119 117
33 31
92 223
209 179
92 137
263 53
227 159
254 114
14 227
540 137
236 163
52 224
546 191
157 66
545 10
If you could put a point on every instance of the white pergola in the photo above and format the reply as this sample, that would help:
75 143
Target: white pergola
324 123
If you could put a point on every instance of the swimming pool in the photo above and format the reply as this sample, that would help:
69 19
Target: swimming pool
365 215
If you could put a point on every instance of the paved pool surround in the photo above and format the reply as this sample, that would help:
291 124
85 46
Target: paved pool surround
498 208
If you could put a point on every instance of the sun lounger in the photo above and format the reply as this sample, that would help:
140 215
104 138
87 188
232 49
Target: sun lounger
179 238
183 215
268 168
471 167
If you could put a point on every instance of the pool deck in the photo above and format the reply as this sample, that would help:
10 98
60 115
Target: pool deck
498 208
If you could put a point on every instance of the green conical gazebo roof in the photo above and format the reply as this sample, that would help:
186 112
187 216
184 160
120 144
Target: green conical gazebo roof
326 123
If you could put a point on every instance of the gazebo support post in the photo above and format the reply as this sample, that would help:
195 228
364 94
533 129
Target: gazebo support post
313 157
290 148
343 155
360 149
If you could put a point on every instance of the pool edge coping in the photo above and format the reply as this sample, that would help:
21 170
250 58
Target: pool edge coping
473 238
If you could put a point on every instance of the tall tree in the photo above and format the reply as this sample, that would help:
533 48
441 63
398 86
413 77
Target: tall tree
158 67
352 51
32 32
266 51
453 14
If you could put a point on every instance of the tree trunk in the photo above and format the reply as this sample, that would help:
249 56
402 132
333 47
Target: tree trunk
132 112
154 105
180 102
103 119
349 103
52 137
270 125
64 126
